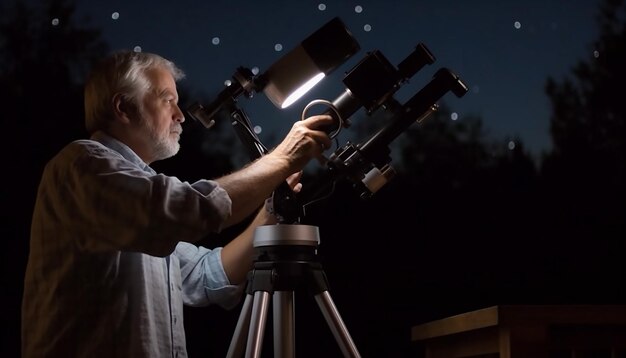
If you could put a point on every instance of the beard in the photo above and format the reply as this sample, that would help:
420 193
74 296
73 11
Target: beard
164 144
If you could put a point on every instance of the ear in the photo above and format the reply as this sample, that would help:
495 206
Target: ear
123 108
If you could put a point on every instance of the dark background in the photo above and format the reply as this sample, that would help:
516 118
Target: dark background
472 219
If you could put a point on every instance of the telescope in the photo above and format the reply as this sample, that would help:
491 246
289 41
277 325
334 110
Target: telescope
371 84
286 253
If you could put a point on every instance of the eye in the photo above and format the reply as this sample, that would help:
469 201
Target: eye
169 98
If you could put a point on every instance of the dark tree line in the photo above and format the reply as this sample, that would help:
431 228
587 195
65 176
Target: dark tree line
466 223
584 175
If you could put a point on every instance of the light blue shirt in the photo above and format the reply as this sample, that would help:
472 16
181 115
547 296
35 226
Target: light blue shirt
111 261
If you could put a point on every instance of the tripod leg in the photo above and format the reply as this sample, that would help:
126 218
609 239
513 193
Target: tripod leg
257 324
331 314
236 348
284 326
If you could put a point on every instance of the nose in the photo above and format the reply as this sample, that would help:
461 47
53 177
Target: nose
179 116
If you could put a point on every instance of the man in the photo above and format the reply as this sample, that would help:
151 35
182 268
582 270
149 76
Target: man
112 259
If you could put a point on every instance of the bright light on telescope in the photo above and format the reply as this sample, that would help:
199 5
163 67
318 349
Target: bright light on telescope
287 79
302 90
296 72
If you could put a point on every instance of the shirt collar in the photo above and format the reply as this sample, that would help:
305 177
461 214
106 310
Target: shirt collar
123 149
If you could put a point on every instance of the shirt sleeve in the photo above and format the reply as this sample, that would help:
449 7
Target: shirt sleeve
204 281
115 205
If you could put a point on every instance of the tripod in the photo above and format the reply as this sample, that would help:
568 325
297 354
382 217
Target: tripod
285 262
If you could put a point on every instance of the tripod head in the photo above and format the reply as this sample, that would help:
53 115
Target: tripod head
283 243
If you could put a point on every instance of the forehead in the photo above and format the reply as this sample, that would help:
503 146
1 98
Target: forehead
161 79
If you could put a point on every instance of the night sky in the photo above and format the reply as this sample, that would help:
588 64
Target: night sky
503 50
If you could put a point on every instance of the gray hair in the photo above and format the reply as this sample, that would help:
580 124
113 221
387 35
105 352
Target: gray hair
122 73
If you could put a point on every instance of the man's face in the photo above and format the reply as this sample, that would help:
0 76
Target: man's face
160 117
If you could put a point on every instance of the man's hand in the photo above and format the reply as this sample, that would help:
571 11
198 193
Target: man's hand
304 141
294 181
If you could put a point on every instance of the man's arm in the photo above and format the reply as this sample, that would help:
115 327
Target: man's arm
238 255
249 187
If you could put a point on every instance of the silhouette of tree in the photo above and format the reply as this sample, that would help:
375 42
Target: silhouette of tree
588 123
583 178
45 58
43 63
